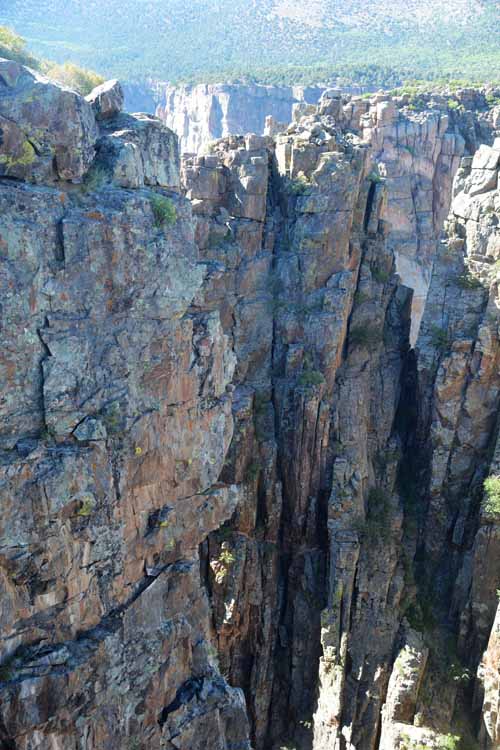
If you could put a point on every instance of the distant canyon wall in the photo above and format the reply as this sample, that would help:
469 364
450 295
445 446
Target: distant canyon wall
205 112
199 114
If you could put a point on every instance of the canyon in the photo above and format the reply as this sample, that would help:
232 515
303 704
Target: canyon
202 113
249 404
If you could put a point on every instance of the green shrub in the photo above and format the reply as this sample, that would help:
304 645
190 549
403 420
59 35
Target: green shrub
163 211
221 565
491 504
458 673
466 280
361 297
453 104
492 100
311 378
445 742
13 47
365 336
6 671
417 104
299 185
380 275
70 75
226 557
86 507
12 41
253 470
375 177
94 180
448 742
113 418
439 338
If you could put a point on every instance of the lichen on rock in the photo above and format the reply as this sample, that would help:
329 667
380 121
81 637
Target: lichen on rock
239 508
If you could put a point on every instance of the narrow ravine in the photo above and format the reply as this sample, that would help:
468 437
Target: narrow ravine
243 500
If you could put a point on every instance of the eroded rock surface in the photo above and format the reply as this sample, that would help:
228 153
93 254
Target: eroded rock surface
115 423
47 132
238 509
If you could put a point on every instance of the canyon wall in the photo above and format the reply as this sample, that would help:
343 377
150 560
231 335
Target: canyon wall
204 112
238 509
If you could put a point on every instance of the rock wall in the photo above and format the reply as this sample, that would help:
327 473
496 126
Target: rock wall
457 437
205 112
115 422
238 510
418 154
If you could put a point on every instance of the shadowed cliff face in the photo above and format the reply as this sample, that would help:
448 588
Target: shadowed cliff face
237 510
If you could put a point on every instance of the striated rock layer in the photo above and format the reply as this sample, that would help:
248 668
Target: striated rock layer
238 510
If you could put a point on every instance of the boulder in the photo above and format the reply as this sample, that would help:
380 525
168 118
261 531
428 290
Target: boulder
482 181
486 158
107 99
139 150
90 429
47 132
386 112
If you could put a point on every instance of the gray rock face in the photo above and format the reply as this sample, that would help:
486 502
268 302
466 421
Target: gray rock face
109 381
237 511
459 385
106 99
202 113
47 132
138 150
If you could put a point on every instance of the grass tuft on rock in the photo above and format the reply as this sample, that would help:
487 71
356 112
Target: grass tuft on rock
366 336
164 211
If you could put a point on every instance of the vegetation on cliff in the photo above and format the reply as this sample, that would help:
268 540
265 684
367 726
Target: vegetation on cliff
13 47
492 495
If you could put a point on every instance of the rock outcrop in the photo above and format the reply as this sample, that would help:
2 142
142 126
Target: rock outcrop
47 133
418 152
239 510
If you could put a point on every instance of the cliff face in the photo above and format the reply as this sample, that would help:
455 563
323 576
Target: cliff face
205 112
420 154
115 423
237 510
457 437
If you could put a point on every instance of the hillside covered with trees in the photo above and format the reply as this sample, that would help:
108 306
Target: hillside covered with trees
13 47
275 41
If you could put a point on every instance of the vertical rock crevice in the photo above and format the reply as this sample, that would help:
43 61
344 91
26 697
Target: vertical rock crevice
259 515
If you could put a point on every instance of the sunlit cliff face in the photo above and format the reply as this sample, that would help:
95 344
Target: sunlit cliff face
238 509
